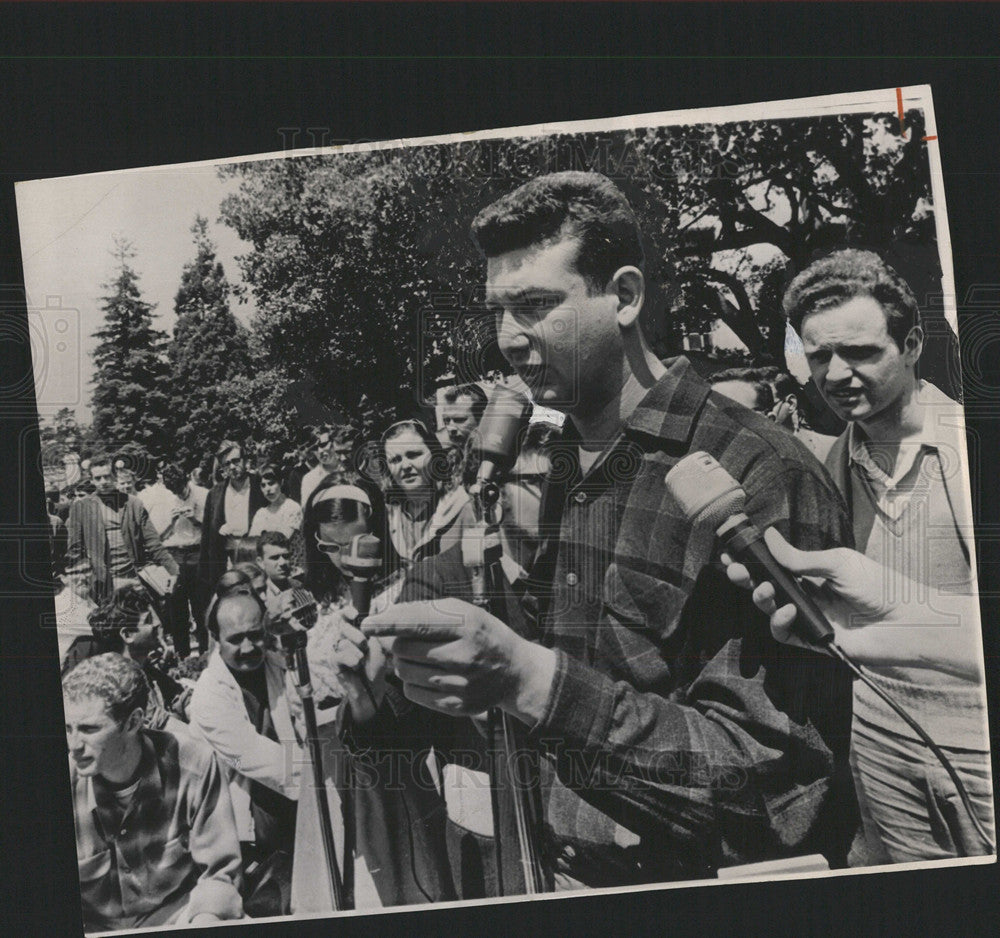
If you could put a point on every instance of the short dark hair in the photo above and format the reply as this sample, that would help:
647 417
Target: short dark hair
112 678
781 382
272 538
175 479
268 472
535 438
120 612
473 391
585 206
225 446
846 274
246 567
755 377
100 459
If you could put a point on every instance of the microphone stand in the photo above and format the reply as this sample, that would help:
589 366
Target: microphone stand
293 644
527 809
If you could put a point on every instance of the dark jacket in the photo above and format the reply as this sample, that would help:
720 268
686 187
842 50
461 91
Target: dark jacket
87 538
213 544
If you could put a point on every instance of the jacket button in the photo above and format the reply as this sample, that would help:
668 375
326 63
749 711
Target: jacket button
572 579
580 497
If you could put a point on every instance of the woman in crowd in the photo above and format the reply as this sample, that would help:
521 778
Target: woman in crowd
280 513
423 517
393 799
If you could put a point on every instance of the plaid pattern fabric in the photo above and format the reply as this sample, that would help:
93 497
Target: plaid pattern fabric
175 846
679 736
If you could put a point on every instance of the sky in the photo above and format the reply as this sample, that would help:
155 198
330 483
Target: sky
67 229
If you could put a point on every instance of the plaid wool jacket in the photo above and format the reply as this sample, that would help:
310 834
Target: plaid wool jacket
679 736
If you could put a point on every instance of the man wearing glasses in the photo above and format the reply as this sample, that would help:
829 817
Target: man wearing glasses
333 450
229 509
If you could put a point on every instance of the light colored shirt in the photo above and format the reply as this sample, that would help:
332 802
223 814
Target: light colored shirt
286 517
158 500
185 530
905 517
219 716
72 619
237 507
311 480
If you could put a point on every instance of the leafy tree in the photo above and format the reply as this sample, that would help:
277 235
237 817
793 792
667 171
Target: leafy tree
59 436
208 351
130 400
367 284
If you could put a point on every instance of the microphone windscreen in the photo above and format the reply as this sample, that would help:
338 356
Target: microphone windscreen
705 491
364 556
507 412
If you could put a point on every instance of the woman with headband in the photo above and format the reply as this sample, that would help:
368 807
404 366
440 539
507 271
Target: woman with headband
389 869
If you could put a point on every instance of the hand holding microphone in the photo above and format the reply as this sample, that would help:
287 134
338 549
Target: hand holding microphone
709 495
361 663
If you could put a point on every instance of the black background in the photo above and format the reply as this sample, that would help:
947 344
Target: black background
89 88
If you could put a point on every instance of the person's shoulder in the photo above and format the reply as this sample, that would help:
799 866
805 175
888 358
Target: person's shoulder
743 435
134 504
81 506
194 756
212 679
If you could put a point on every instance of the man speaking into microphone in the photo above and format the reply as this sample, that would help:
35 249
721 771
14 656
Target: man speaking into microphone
676 736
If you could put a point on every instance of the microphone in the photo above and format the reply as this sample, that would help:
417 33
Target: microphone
363 561
480 547
292 610
506 414
709 495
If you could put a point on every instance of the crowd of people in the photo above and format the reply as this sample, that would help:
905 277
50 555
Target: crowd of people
662 730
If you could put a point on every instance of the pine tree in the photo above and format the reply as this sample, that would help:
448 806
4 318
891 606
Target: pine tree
207 353
129 400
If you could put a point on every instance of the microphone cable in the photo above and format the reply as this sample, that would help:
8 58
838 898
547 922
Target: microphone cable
925 738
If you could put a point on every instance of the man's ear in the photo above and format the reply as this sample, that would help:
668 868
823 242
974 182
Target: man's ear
134 720
126 635
913 345
629 285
